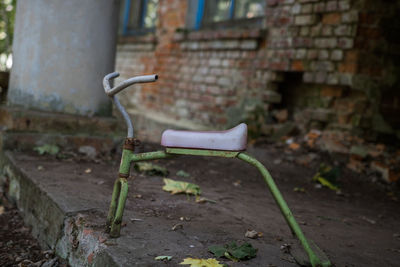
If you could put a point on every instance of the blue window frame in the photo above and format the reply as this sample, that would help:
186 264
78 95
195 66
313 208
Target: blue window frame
226 13
138 16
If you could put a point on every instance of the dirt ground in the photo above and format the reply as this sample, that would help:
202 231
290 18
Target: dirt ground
358 227
17 246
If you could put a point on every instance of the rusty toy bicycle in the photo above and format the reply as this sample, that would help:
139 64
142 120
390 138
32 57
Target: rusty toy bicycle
228 144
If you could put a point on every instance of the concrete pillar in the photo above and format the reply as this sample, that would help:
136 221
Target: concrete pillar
61 51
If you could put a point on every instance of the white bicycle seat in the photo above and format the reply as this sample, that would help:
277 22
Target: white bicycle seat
234 139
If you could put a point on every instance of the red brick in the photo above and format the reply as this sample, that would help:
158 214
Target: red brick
90 258
331 91
331 18
297 65
352 56
348 67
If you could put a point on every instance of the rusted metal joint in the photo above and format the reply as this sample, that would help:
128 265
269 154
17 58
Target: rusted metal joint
123 175
131 143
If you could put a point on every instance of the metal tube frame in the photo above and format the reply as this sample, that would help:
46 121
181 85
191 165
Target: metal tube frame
120 191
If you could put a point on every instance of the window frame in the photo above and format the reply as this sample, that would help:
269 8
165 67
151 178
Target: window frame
140 30
231 22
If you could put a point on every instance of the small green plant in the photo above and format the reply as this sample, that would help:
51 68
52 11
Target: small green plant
47 149
234 252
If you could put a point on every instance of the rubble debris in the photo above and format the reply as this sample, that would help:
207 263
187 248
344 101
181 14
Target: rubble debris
294 146
284 130
281 115
285 248
253 234
88 151
355 164
311 137
360 151
333 142
384 170
237 183
306 159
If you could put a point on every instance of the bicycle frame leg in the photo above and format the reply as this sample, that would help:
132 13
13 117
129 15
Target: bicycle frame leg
116 211
315 261
120 191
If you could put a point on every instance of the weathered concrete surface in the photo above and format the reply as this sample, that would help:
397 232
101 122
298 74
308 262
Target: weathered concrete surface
61 51
30 121
67 209
22 130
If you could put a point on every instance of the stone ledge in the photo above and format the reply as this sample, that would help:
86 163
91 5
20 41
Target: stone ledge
230 34
67 211
14 119
147 38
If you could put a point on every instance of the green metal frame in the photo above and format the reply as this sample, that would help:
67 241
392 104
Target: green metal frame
120 191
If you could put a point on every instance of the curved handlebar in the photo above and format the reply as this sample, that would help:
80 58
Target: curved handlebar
111 92
138 79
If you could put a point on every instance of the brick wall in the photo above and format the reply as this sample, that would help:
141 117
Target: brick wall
315 61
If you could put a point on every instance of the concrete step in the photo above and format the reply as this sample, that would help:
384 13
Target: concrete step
66 208
25 129
22 120
20 141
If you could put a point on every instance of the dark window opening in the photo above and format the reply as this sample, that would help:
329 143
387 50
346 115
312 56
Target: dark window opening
138 16
229 13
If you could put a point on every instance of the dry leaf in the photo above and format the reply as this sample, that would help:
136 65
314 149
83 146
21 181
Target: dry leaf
201 262
176 187
253 234
294 146
163 258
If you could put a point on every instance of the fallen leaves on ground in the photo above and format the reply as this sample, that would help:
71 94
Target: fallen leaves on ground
312 137
294 146
285 248
253 234
299 189
176 187
368 220
203 200
163 258
234 252
327 176
150 169
177 226
201 262
47 149
182 173
237 183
